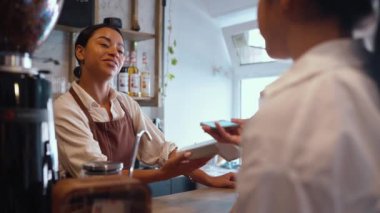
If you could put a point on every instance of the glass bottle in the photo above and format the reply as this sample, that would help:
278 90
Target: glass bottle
134 77
122 78
145 77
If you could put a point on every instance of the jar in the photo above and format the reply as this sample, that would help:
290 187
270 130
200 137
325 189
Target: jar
102 168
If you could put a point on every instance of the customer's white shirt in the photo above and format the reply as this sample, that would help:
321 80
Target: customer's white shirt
314 144
76 144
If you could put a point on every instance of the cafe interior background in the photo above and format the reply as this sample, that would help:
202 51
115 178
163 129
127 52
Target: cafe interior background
221 62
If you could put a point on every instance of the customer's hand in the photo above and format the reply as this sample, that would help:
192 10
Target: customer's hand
180 164
227 135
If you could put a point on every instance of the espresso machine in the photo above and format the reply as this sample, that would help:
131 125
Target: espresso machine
28 149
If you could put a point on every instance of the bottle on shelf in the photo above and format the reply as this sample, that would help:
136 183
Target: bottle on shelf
122 77
134 77
145 77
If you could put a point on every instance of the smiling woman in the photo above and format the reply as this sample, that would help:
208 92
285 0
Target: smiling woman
107 44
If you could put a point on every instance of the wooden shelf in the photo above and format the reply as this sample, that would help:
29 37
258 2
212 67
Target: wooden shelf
136 36
146 101
127 34
142 98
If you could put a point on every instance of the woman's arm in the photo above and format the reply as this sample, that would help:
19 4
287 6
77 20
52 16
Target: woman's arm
222 181
177 164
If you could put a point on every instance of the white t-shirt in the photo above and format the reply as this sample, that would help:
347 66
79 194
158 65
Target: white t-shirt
76 144
314 144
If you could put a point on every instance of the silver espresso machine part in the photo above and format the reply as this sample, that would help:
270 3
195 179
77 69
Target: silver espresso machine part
16 63
135 149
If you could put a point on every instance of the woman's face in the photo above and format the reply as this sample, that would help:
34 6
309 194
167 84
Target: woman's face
103 55
273 27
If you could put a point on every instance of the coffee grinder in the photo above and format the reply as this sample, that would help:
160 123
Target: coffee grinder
28 149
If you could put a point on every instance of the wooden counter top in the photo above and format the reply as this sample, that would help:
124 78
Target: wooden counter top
200 200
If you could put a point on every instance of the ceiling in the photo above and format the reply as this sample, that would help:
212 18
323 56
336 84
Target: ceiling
231 12
223 7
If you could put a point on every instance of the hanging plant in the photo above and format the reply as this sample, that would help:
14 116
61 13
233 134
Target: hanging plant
171 59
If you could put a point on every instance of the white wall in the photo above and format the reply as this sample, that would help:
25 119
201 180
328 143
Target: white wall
198 93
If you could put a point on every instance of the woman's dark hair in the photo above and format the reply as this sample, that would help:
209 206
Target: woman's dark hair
85 35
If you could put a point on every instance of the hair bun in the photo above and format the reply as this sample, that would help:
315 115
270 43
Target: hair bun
113 21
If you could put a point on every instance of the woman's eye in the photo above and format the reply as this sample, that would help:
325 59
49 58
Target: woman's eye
121 52
104 45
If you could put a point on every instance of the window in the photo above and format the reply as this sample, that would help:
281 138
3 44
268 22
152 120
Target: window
250 47
250 94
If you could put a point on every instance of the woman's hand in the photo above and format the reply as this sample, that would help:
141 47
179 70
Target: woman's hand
224 181
227 135
180 164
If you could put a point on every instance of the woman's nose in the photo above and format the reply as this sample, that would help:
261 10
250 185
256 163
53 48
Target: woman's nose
113 51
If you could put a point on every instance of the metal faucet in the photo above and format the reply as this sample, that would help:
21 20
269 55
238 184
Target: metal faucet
135 149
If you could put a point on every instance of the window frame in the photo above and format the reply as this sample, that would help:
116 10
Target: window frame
250 70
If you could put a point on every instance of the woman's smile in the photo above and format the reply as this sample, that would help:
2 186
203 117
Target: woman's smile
111 62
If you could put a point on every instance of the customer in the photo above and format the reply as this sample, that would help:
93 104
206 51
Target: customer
96 123
314 144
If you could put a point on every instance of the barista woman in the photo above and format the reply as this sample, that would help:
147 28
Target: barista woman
314 144
96 123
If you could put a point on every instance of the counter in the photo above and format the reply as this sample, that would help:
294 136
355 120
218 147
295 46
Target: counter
200 200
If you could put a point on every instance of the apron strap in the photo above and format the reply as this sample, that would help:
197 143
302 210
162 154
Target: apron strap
85 110
81 105
127 114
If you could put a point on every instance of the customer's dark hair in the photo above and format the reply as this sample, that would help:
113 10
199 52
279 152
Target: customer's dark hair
349 13
85 35
374 59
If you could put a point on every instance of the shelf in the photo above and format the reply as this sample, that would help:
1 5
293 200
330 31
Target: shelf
127 34
146 101
136 36
142 98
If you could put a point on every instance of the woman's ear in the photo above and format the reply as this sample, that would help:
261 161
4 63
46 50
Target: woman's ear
79 53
